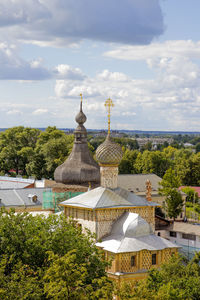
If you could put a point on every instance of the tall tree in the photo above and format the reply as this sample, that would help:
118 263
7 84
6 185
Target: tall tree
169 188
52 148
127 164
16 148
152 162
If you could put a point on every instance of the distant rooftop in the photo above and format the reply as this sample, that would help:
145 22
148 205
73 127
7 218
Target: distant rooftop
7 182
32 197
137 182
196 188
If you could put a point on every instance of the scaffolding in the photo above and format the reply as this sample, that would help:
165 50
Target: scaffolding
51 200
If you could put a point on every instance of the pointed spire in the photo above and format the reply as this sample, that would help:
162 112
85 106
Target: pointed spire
81 117
80 167
81 95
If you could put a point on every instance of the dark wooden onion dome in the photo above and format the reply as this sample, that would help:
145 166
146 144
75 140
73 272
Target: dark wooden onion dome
80 167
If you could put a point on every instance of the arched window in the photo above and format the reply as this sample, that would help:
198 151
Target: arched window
132 260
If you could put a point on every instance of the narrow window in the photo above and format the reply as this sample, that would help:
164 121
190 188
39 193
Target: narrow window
153 259
188 236
172 233
133 261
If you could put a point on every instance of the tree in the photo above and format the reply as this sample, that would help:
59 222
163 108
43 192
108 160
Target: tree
192 174
176 280
197 147
181 163
127 164
52 148
173 200
170 180
174 203
192 195
152 162
34 251
17 145
65 279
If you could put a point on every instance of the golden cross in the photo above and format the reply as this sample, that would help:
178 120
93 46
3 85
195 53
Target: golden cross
108 104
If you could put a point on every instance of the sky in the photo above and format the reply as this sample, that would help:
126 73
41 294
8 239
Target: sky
144 55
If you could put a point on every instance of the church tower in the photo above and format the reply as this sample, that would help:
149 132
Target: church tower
109 155
123 222
80 167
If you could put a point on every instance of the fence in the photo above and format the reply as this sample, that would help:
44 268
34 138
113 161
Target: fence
51 200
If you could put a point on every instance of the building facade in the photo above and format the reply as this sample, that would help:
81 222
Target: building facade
124 223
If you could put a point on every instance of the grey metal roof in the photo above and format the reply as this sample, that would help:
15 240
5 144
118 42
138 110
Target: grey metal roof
14 182
19 197
98 198
131 233
137 182
107 198
133 198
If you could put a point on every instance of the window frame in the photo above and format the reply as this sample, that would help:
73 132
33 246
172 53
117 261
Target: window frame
173 234
154 259
133 260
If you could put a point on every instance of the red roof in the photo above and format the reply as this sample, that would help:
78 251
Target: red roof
196 188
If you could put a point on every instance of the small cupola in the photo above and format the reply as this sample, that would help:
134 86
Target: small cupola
109 155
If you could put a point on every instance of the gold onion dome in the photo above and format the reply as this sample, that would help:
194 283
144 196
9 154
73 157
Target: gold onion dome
109 152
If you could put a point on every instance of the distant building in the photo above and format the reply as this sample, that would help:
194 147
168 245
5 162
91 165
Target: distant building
154 141
24 199
136 183
7 182
185 235
188 145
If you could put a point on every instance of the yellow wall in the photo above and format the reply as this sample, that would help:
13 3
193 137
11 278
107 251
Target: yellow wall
100 221
143 262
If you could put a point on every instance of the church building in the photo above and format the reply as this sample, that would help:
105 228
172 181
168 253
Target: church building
123 222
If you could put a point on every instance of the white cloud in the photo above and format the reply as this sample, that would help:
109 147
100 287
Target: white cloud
154 51
67 72
40 111
113 76
169 101
15 68
14 112
22 12
65 22
128 113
